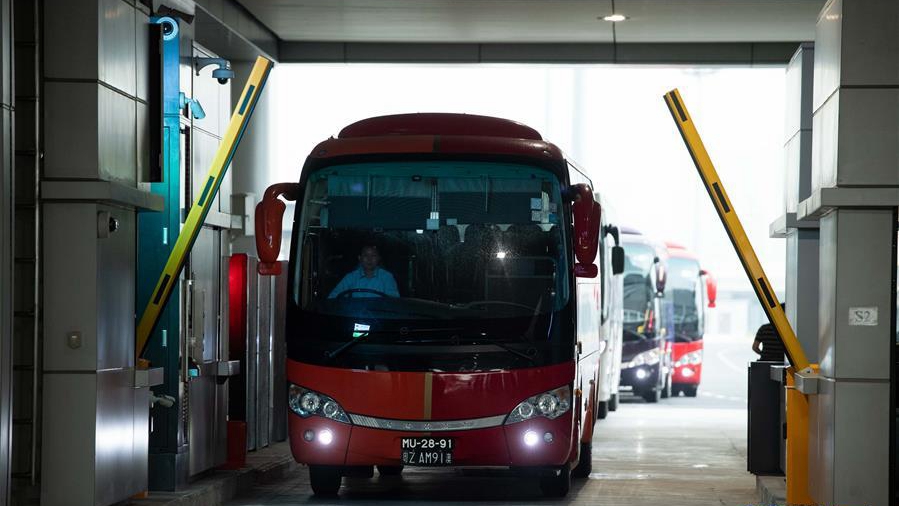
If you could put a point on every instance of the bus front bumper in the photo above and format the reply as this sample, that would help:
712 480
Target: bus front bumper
536 442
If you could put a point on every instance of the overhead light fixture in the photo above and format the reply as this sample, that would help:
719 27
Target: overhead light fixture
614 18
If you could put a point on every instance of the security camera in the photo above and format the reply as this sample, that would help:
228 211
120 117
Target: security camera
222 74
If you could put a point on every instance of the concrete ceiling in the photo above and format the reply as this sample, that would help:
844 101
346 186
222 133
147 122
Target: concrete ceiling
538 21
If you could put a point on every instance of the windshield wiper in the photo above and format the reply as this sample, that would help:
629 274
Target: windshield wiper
347 345
504 346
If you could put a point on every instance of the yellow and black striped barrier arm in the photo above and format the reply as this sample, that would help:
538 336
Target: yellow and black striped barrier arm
197 215
735 231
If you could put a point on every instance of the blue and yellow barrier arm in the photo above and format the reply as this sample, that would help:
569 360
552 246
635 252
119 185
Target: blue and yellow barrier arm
197 215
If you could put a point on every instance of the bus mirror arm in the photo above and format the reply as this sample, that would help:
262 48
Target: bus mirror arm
269 217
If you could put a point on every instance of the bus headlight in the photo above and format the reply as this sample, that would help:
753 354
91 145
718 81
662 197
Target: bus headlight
691 358
650 357
551 404
306 403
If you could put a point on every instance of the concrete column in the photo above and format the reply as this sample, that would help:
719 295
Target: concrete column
855 171
6 244
801 235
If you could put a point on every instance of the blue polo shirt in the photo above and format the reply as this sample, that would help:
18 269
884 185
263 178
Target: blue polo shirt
382 281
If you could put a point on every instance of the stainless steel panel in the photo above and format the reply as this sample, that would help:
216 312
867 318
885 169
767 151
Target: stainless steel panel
821 447
114 436
6 295
869 43
70 39
115 291
861 259
70 130
6 54
868 151
828 56
793 96
827 293
141 54
204 268
802 288
279 357
70 285
252 350
791 172
264 363
142 142
116 44
861 456
68 441
227 368
202 424
825 142
220 435
117 136
139 466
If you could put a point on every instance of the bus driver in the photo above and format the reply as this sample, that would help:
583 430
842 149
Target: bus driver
369 277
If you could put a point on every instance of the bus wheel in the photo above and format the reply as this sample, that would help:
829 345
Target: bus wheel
666 390
557 484
613 403
602 410
325 480
652 395
390 470
690 390
585 462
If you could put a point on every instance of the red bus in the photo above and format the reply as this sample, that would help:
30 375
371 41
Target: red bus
690 289
445 300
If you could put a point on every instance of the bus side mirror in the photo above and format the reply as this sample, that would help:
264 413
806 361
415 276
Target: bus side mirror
617 260
269 215
661 277
587 215
711 287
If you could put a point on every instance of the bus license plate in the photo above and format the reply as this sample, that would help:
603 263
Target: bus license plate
427 451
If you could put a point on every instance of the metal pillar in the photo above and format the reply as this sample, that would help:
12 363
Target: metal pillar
94 403
157 233
6 244
854 178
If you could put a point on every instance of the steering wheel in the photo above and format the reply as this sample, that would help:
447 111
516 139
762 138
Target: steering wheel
348 293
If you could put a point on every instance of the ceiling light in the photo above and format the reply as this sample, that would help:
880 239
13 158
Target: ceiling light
615 18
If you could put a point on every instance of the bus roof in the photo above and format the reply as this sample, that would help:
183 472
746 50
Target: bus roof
431 123
438 135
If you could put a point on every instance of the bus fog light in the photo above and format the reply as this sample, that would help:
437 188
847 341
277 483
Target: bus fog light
531 438
687 372
548 437
325 437
641 373
309 435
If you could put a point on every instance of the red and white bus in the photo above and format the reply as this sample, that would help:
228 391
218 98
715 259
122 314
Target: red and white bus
446 301
689 289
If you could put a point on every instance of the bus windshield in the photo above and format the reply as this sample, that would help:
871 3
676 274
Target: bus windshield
639 293
684 290
423 261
